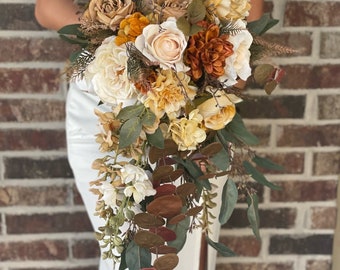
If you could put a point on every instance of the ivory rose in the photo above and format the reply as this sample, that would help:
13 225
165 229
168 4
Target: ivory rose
219 110
108 73
109 12
163 44
238 64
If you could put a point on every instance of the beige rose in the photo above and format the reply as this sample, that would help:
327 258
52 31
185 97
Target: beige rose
219 110
171 8
163 44
109 12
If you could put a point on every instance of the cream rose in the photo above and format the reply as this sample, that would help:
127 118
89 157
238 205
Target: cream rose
163 44
237 65
108 74
109 12
219 110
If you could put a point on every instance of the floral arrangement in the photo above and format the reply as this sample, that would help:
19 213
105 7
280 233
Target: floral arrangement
173 72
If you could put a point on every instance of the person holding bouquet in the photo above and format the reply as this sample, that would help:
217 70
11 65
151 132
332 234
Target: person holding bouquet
82 123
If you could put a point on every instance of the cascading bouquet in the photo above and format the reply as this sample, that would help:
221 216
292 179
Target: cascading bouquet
173 72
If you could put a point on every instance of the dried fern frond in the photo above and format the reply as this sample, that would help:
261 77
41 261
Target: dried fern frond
231 28
273 49
94 31
78 66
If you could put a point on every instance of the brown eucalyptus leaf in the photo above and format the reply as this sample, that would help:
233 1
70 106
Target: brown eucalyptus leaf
163 250
161 172
170 148
172 176
166 262
194 211
211 149
148 221
165 233
166 189
269 87
262 73
165 206
186 189
176 219
148 239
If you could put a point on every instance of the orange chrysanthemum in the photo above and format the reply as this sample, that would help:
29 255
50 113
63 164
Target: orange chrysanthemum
131 27
207 51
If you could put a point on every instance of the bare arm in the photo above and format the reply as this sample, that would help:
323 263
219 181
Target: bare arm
256 10
54 14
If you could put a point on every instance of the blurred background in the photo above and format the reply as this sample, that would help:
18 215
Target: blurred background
43 224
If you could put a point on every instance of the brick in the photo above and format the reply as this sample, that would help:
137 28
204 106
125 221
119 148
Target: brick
326 163
30 110
256 266
43 81
84 249
304 191
329 107
34 250
77 199
269 218
300 42
273 107
329 47
33 168
310 77
242 245
318 265
293 163
34 49
323 217
322 13
302 244
261 132
35 196
48 223
308 136
18 17
32 139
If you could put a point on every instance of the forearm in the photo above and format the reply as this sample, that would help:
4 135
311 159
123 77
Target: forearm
54 14
256 10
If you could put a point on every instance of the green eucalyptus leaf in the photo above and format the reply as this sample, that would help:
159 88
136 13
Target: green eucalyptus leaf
262 25
71 29
196 11
221 160
183 25
253 214
148 118
229 200
137 257
221 248
267 163
181 229
129 112
129 132
123 265
257 176
156 139
239 130
74 40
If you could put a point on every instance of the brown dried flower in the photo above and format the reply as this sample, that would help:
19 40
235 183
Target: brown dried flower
207 51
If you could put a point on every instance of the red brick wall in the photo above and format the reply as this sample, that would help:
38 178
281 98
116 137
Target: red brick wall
42 221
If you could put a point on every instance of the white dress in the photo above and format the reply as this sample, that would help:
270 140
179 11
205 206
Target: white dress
81 126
